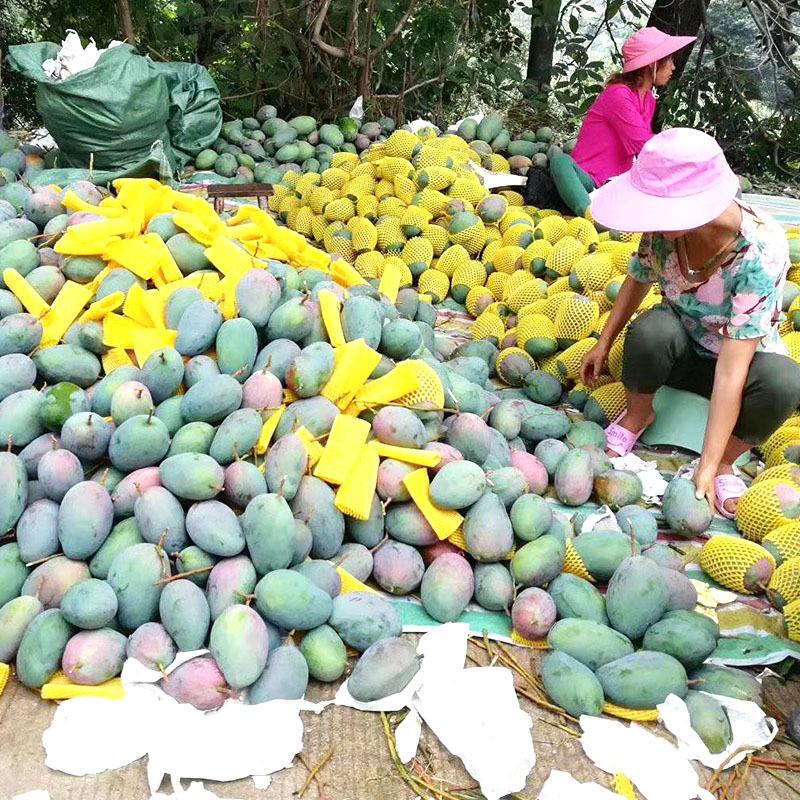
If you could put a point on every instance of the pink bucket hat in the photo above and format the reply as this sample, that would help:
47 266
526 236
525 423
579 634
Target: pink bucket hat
650 45
680 181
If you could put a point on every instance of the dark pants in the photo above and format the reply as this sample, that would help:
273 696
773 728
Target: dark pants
659 352
572 183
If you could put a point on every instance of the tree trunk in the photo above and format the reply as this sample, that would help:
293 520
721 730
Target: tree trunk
678 18
125 21
544 26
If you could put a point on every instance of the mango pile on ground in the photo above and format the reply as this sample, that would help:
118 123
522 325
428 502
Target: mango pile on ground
265 147
219 435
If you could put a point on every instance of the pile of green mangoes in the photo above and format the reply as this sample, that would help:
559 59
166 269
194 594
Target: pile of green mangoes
264 147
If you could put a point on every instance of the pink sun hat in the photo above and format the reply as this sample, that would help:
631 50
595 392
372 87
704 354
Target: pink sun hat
650 45
680 181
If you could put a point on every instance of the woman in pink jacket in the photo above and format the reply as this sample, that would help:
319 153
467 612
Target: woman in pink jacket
621 119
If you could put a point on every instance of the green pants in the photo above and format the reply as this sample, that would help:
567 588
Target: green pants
659 352
572 183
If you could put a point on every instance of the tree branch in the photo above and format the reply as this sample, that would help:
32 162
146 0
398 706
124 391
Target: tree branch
316 38
387 42
438 79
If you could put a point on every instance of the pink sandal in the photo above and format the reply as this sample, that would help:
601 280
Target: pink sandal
620 439
727 487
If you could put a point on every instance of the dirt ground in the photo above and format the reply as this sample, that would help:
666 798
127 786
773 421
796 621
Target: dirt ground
360 767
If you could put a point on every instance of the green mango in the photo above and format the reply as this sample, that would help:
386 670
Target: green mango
643 679
41 648
291 601
590 642
637 596
571 685
239 643
133 575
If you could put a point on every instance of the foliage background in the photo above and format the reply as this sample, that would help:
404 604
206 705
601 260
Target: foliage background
449 58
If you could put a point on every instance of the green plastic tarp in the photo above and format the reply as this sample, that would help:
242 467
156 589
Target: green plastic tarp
127 114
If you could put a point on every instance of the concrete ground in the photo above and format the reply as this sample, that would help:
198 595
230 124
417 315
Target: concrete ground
360 767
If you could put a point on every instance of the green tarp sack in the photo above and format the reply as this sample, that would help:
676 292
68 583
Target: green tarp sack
124 111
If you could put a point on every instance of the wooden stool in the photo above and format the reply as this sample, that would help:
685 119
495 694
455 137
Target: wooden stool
218 192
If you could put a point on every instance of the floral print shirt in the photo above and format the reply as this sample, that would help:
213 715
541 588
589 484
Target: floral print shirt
741 300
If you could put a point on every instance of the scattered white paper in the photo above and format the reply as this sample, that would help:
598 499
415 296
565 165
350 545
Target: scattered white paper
357 111
134 672
653 484
77 741
491 180
262 782
491 734
36 794
562 786
651 763
751 728
418 124
237 741
603 514
407 735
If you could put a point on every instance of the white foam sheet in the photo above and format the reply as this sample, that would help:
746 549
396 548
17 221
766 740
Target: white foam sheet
750 728
654 765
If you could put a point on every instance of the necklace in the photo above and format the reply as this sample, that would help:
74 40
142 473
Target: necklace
709 263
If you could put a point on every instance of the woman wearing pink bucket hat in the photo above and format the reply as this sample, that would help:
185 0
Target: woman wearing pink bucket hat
721 266
621 119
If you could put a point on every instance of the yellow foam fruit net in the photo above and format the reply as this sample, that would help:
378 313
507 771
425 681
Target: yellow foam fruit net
469 274
473 238
566 251
434 283
364 233
573 563
418 251
430 393
727 560
451 259
508 258
437 236
488 325
775 448
512 352
575 319
553 302
536 326
593 271
368 265
615 358
526 294
569 361
784 586
610 399
792 342
496 283
583 231
783 542
551 229
476 295
517 279
791 616
536 252
766 506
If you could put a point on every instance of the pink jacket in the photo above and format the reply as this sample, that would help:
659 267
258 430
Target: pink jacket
614 131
